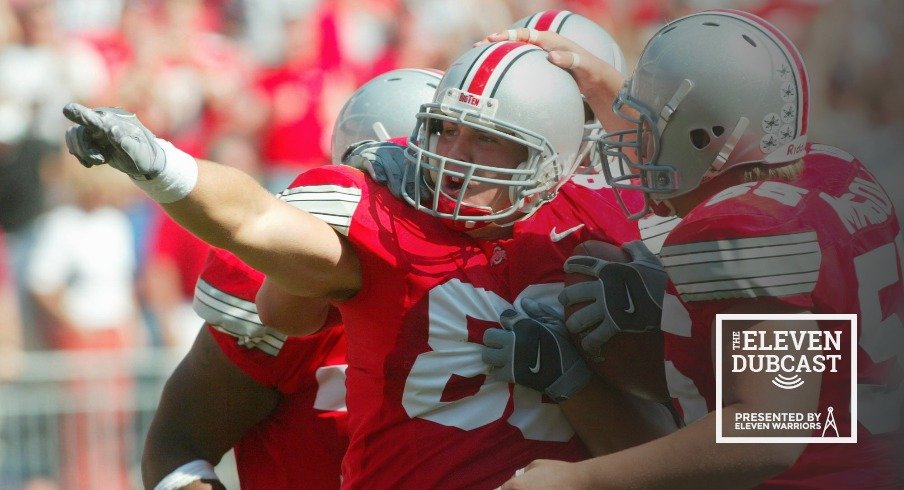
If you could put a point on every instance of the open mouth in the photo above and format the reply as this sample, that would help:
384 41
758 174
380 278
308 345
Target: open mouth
452 185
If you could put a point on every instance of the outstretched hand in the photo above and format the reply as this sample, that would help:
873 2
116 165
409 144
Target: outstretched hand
545 473
113 136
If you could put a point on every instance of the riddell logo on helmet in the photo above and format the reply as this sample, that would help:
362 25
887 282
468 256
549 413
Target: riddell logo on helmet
795 149
469 99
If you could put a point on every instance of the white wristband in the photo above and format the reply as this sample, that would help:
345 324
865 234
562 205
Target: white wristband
176 180
187 473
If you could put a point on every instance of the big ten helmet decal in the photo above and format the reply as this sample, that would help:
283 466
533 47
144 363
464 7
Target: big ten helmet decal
595 39
510 91
385 107
713 90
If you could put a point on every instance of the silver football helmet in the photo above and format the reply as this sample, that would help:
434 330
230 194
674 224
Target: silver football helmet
713 90
383 108
592 37
510 91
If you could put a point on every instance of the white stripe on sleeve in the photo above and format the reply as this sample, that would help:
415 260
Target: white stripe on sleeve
768 266
236 317
655 229
333 204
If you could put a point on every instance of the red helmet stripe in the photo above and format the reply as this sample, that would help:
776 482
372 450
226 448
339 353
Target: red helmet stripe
791 49
486 68
546 19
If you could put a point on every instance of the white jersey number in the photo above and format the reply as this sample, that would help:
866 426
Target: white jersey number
454 355
882 338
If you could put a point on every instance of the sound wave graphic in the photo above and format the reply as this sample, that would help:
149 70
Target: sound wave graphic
788 382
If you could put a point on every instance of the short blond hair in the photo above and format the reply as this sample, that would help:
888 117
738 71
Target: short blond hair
761 171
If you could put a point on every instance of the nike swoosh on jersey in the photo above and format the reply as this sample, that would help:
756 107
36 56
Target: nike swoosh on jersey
560 235
630 308
536 367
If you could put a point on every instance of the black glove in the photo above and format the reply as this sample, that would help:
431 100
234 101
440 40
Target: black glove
533 349
627 297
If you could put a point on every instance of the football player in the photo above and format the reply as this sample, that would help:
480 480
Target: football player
417 280
515 340
715 131
243 385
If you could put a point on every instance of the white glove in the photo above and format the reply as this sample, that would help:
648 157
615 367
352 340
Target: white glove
115 137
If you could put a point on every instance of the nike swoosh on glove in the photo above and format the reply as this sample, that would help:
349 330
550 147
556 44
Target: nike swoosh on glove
532 349
626 297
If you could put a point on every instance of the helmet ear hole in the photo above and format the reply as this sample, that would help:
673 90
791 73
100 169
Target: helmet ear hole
700 138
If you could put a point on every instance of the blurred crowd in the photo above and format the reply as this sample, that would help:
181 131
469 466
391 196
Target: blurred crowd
257 84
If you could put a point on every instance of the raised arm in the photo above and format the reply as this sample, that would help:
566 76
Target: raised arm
219 204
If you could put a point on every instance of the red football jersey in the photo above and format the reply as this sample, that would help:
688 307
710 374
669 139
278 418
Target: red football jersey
301 443
170 242
422 412
829 242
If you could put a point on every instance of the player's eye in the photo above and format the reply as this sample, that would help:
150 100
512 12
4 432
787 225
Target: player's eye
486 137
449 130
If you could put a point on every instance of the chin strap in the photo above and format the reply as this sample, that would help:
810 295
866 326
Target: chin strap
729 146
662 208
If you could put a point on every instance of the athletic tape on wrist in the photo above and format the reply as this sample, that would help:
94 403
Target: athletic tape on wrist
178 178
192 471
